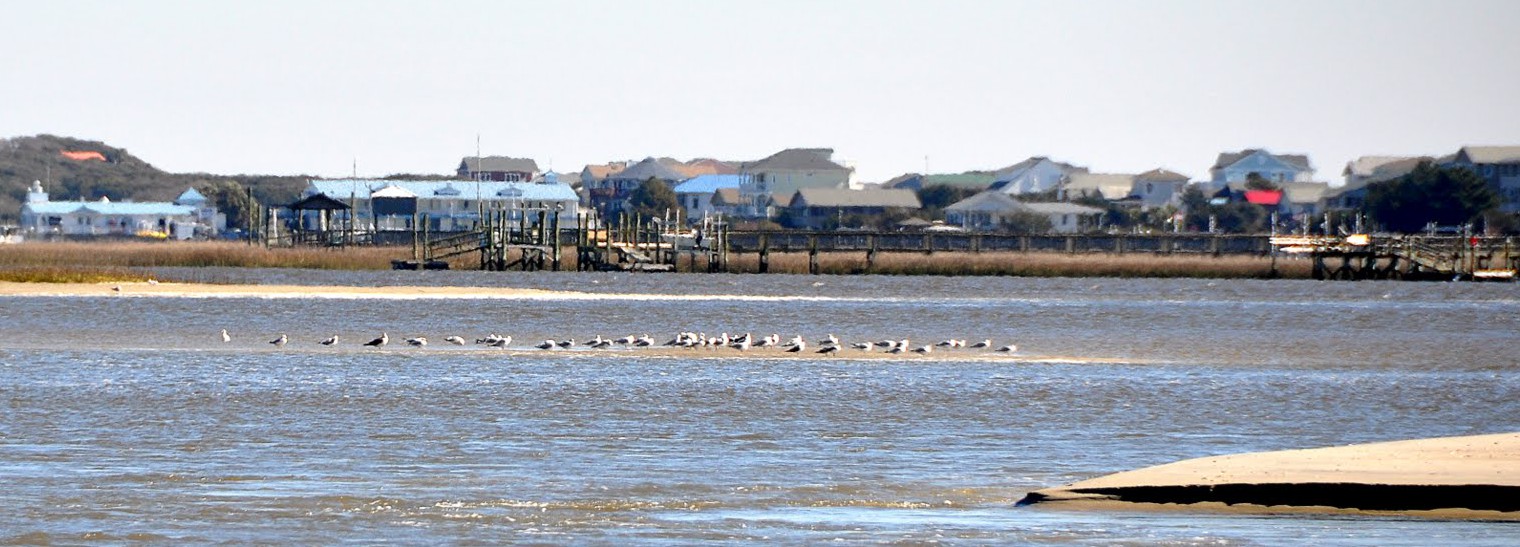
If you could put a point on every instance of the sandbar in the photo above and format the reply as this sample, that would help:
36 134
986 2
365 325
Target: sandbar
1474 477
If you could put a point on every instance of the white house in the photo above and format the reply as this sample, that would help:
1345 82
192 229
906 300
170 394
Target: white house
192 214
993 210
1034 175
1159 187
447 205
1238 166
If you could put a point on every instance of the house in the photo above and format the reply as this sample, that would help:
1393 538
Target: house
1159 187
786 172
993 210
610 195
1302 199
725 201
1500 166
1238 166
593 175
696 194
188 216
1362 173
1112 187
498 168
818 207
914 181
446 205
1035 175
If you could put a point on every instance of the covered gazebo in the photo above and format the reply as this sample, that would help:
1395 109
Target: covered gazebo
314 214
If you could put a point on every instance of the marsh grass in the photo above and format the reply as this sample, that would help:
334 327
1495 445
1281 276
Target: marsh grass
72 274
193 254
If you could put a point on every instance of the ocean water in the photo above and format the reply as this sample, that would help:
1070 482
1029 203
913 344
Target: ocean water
127 418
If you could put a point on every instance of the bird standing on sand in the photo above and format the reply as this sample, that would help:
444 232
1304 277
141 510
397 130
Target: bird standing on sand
548 344
280 342
799 347
226 337
863 346
379 342
330 341
981 345
923 349
417 342
828 350
500 342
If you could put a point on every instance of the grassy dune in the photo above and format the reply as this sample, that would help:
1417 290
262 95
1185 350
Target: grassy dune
191 254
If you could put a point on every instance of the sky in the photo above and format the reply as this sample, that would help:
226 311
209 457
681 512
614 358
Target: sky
327 88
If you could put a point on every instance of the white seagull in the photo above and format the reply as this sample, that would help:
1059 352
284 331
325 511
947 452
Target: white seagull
1010 348
799 347
280 342
330 341
417 342
982 344
548 344
379 342
500 342
828 350
454 340
226 337
923 349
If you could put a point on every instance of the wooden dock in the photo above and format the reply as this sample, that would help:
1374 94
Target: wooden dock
1439 258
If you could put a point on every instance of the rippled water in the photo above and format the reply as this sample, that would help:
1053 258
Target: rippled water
127 418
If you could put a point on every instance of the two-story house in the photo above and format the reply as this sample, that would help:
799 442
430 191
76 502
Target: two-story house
785 172
498 168
1238 166
1500 166
1034 175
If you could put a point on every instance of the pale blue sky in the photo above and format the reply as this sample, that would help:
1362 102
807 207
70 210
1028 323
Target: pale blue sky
277 87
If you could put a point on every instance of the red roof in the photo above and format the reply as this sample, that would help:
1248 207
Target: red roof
82 155
1264 197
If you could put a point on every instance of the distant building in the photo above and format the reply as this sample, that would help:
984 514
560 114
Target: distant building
993 210
446 205
1159 187
1033 176
1238 166
610 194
1500 166
189 216
1364 172
816 207
915 181
786 172
696 194
1112 187
498 169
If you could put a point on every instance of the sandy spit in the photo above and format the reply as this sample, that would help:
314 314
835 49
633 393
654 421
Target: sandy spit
1423 469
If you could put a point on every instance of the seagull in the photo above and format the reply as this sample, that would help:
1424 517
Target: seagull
417 342
799 347
923 349
547 344
828 350
280 342
567 343
116 289
863 346
226 337
379 342
895 349
644 341
626 340
946 343
1010 348
454 340
595 342
500 342
795 341
490 339
830 340
982 344
330 341
743 344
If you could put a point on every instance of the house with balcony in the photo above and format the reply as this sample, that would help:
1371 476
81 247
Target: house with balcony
786 172
1238 166
1499 166
445 205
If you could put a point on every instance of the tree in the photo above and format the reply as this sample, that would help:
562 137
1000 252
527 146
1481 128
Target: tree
1445 196
936 197
653 199
231 199
1254 181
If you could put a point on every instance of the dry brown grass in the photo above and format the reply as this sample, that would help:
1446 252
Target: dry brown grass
72 274
1033 265
194 254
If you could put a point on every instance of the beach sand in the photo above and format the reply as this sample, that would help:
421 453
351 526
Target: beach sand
1451 477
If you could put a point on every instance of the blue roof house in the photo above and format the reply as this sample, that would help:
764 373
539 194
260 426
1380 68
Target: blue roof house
42 216
696 194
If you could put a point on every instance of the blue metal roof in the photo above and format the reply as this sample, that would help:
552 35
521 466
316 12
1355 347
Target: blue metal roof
190 196
110 208
342 189
707 184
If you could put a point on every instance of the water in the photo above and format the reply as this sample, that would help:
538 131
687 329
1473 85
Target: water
127 418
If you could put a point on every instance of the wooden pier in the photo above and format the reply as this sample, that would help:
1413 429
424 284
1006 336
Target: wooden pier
1439 258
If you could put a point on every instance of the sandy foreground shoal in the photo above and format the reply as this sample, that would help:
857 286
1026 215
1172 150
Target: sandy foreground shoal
1448 477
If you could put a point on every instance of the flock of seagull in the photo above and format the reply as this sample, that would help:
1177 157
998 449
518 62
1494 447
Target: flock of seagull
829 345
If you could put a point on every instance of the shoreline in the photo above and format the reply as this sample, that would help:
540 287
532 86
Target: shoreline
1470 477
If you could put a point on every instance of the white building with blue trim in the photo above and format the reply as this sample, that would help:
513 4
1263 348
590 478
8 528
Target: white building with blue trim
189 216
445 205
